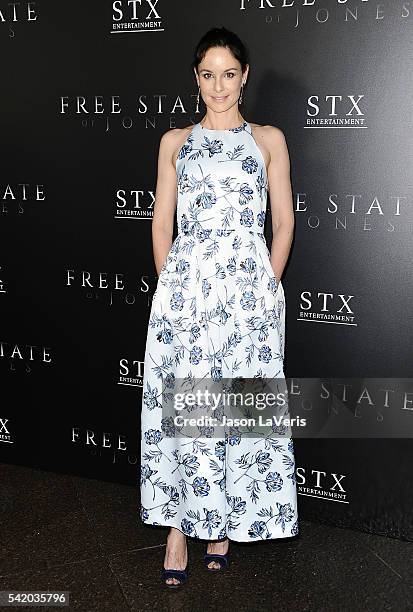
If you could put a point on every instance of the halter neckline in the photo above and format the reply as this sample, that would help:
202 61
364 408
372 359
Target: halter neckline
233 129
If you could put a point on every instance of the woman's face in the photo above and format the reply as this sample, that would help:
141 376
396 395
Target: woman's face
220 78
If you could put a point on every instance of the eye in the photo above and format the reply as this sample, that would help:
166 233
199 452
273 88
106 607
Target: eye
231 74
206 74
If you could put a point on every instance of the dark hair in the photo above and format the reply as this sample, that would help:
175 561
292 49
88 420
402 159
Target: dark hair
221 37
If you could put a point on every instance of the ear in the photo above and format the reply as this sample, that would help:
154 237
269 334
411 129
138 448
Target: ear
245 74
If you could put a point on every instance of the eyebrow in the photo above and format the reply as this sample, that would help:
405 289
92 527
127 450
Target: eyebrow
206 70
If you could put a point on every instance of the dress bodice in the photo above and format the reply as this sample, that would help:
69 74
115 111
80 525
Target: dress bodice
222 181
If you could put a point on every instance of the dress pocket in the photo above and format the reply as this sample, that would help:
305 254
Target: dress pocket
273 281
169 265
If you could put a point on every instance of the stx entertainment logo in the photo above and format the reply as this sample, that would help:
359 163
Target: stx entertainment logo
323 307
131 373
317 483
134 204
4 432
136 16
335 111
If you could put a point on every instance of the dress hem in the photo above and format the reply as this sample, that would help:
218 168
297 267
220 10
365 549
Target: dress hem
247 541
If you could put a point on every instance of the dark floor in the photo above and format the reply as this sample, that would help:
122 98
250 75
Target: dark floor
85 536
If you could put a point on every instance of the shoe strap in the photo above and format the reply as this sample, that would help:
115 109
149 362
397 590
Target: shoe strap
174 572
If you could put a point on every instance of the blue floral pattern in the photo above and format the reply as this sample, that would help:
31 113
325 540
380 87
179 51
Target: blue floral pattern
218 312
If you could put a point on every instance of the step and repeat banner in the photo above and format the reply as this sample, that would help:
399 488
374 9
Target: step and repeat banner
88 89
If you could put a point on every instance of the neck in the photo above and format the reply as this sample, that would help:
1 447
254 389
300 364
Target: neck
214 122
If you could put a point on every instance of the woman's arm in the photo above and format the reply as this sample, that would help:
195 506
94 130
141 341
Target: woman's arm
282 210
165 199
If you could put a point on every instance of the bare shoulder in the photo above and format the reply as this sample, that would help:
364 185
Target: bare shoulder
173 139
272 141
173 136
272 136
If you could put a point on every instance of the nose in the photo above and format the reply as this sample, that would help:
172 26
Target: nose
218 87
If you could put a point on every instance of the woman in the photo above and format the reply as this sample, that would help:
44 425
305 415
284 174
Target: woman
218 313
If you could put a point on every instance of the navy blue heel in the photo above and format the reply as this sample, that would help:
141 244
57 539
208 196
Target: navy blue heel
181 575
223 561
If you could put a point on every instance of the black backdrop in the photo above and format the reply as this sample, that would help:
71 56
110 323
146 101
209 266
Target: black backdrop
88 88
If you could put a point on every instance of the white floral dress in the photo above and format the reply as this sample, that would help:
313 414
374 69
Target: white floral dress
218 313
